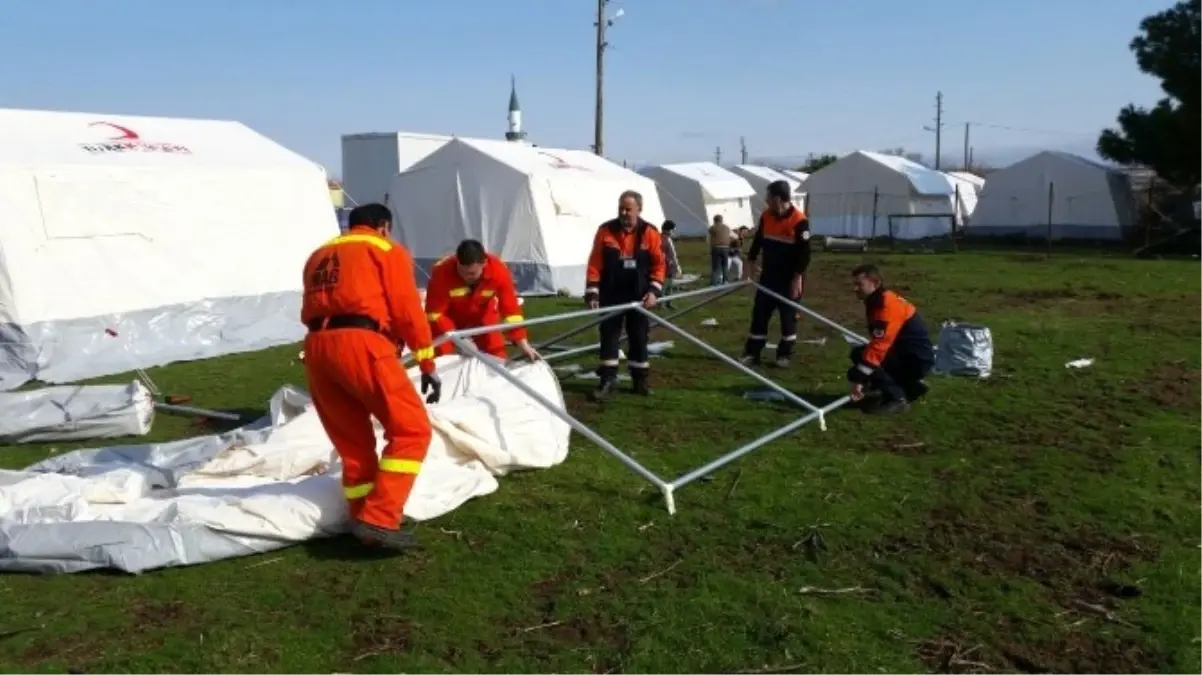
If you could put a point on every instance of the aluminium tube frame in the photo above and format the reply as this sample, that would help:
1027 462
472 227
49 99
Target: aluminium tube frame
667 488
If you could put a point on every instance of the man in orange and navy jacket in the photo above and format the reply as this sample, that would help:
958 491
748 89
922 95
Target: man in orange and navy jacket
899 354
783 239
470 289
626 265
361 305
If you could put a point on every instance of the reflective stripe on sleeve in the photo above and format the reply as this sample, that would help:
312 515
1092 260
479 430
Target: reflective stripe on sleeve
357 491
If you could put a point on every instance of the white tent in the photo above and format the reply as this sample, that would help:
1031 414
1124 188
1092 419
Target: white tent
370 160
759 177
130 242
799 176
968 188
1088 200
693 193
537 208
863 193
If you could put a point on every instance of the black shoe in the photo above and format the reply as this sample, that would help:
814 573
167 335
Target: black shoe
603 390
374 535
782 362
750 360
640 385
917 390
889 407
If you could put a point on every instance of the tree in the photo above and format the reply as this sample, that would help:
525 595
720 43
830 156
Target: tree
1166 138
814 163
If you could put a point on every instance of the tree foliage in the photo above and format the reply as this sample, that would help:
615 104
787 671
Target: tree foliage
816 162
1168 137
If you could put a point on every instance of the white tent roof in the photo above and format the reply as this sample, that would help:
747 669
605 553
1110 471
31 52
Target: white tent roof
967 177
761 176
799 176
923 180
538 208
717 183
128 223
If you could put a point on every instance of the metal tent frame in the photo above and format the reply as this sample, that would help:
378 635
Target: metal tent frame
462 339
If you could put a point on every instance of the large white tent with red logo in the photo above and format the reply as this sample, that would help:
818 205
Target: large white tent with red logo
129 242
537 208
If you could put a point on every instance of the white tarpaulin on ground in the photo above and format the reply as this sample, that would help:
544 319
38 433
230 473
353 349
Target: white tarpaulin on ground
130 242
76 413
265 486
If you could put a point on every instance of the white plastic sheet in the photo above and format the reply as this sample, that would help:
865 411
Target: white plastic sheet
965 350
265 486
75 413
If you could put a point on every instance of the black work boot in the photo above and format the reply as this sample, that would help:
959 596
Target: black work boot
374 535
639 381
784 354
888 407
916 390
605 388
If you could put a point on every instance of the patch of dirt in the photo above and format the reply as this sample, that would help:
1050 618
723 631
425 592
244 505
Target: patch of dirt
1005 540
1074 652
150 614
374 634
74 652
1172 385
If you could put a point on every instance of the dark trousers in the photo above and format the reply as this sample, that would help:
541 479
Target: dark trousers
761 315
719 260
897 376
638 327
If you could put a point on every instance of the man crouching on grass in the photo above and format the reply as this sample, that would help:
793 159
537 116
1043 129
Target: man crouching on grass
899 354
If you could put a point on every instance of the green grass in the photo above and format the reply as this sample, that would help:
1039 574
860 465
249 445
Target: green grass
987 529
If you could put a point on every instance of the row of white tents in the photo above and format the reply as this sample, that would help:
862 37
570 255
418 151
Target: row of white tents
129 242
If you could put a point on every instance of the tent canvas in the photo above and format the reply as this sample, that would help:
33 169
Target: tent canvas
537 208
799 176
968 188
693 193
370 160
854 197
130 242
759 177
1089 200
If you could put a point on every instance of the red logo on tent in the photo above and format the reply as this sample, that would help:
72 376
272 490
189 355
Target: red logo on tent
559 163
127 140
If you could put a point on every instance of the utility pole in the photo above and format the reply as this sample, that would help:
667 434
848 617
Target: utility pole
742 150
598 114
718 155
967 159
938 126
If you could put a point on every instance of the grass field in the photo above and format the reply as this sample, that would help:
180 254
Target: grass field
1045 519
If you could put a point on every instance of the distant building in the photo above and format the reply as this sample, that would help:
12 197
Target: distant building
515 133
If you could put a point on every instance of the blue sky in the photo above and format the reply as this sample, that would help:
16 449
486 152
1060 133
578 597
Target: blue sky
683 76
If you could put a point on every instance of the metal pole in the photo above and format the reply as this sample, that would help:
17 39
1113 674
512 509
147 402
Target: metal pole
719 291
717 353
938 127
470 349
812 314
758 443
198 412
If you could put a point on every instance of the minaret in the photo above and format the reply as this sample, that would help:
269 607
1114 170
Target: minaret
515 132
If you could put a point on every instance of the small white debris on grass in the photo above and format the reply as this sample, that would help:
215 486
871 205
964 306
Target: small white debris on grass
1079 363
710 322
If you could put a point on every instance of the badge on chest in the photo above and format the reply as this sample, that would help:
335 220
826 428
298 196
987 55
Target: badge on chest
629 264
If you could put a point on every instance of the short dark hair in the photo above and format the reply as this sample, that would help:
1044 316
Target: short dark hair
780 189
867 270
372 215
470 252
668 226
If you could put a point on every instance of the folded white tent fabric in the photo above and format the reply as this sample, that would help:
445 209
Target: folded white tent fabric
75 413
265 486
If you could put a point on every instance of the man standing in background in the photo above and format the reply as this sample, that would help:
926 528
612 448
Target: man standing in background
719 237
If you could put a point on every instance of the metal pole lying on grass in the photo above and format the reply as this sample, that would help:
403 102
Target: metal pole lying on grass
716 353
498 368
668 489
565 353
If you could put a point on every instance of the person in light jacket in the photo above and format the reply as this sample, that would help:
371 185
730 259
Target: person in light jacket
673 262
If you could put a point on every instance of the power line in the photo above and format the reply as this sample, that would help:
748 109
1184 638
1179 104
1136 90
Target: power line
1028 130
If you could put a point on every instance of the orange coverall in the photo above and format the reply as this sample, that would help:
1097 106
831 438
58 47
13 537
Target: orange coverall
361 304
451 303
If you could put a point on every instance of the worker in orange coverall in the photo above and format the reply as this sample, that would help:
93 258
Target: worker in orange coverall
361 306
470 289
626 265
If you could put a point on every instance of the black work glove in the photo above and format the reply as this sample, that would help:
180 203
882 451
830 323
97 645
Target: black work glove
432 384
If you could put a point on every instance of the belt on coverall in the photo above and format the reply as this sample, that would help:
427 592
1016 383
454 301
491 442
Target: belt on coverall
343 321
